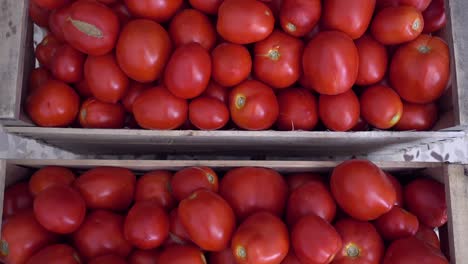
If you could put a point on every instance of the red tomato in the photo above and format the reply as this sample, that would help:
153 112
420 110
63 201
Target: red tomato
249 190
421 5
411 250
373 61
46 50
420 70
350 17
361 125
39 15
261 238
298 110
49 176
207 6
157 108
253 105
22 236
72 209
143 49
362 189
57 20
217 91
397 224
232 64
396 25
101 233
55 254
97 114
106 80
426 199
244 22
51 4
313 232
381 106
277 59
143 257
178 235
208 113
434 16
83 89
188 71
181 255
208 219
133 91
398 190
331 53
339 112
16 198
38 77
191 25
157 10
299 17
418 117
146 225
54 105
155 185
122 12
222 257
428 235
91 27
108 2
108 259
107 188
67 64
311 198
361 243
298 179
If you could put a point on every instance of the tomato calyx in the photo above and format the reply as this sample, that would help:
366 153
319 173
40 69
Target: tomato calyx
193 196
87 28
424 49
395 119
416 26
291 27
352 250
83 114
241 252
240 100
274 53
4 249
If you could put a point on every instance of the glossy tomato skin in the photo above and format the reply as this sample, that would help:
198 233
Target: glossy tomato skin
206 6
421 5
208 113
261 238
397 224
434 16
361 242
57 21
339 112
155 186
362 189
244 22
91 27
178 234
249 190
396 25
312 232
217 91
253 105
222 257
16 198
426 199
51 4
191 25
426 56
39 15
143 257
411 250
49 176
143 49
418 117
67 64
188 71
350 17
38 77
381 106
54 105
398 190
46 50
296 180
232 64
60 209
311 198
133 91
22 236
298 109
277 59
208 219
97 114
181 255
157 108
428 235
188 180
299 17
101 233
157 10
107 81
146 225
373 60
56 254
331 53
108 259
107 188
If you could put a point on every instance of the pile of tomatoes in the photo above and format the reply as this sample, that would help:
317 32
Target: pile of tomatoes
247 64
249 215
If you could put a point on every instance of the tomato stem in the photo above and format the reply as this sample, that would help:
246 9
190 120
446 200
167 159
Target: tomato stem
416 24
352 250
291 27
241 252
240 101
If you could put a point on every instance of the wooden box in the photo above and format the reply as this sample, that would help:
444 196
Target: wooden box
16 51
453 236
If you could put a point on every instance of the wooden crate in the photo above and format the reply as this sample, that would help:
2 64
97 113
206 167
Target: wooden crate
16 51
453 236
